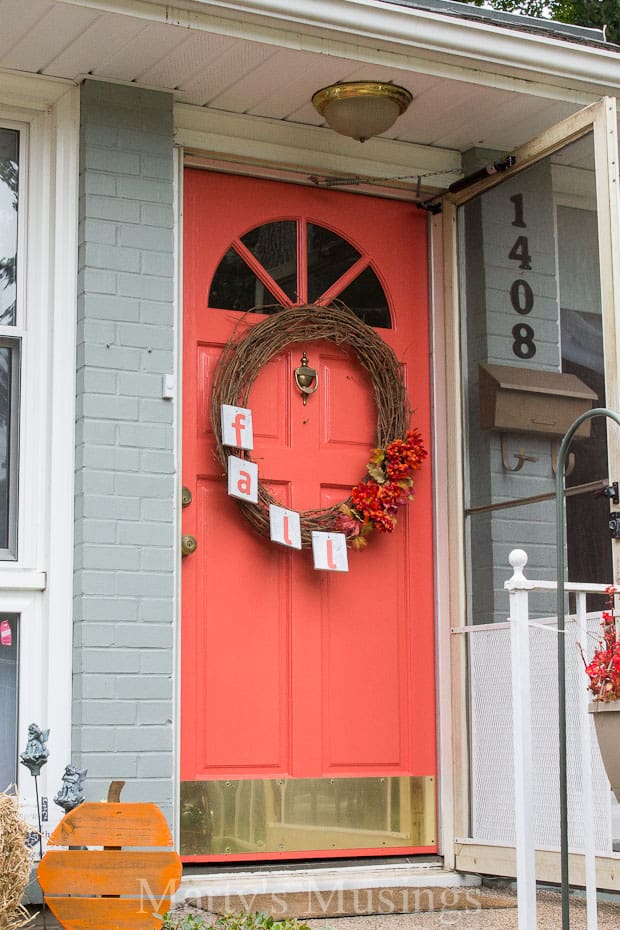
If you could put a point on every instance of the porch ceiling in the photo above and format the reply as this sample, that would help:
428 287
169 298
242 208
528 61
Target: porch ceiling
209 62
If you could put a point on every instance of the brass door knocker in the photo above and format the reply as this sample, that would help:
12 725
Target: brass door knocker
306 378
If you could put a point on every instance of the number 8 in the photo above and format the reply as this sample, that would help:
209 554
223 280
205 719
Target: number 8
523 346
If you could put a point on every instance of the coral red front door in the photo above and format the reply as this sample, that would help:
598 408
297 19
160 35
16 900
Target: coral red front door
307 702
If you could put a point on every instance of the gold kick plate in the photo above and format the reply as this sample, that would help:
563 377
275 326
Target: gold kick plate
303 814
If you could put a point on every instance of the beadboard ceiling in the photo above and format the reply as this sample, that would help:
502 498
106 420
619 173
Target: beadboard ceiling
260 78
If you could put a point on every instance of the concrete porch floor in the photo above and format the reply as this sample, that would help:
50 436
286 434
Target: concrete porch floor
498 915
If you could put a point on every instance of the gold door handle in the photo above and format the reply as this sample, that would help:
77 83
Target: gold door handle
189 544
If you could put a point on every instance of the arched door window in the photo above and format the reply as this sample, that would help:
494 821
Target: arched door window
289 262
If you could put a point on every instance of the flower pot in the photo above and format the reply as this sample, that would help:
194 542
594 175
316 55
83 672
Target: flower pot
606 717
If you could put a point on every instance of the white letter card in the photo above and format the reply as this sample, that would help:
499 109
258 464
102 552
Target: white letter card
330 552
243 479
285 527
237 427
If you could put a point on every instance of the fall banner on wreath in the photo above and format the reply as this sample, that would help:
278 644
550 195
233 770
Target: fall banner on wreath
389 480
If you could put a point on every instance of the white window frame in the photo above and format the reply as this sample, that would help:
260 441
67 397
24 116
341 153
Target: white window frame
12 336
38 585
13 342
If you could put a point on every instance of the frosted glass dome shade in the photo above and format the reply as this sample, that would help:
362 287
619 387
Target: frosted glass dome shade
361 109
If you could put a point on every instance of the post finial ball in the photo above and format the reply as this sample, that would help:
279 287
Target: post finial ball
518 559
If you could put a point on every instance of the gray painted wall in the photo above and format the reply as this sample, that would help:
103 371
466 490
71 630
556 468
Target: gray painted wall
125 508
488 274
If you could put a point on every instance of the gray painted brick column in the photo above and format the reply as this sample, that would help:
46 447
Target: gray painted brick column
125 508
491 316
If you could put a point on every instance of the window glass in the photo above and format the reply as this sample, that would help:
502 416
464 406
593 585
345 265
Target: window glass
9 348
531 303
366 298
581 333
9 149
236 287
8 699
329 256
8 416
275 247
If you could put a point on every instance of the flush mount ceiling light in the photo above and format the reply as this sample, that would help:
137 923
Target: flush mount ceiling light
361 109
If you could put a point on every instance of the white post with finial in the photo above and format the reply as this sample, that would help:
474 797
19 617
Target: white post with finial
585 738
518 587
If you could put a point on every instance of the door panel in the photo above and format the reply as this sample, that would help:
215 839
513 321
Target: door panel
254 683
288 672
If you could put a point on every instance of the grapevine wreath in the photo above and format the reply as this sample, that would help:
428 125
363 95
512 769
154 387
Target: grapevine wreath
388 483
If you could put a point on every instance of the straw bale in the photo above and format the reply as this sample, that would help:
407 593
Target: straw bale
15 864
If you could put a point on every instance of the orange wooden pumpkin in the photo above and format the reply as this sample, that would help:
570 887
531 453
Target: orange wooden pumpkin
81 886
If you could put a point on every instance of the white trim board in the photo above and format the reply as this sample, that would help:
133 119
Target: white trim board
500 859
27 92
39 586
441 523
323 878
309 150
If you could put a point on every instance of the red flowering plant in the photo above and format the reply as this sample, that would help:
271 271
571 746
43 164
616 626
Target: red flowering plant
604 668
388 486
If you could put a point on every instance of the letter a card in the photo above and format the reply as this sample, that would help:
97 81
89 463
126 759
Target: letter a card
285 526
236 425
243 479
330 552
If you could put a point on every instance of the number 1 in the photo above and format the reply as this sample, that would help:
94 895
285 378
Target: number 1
517 200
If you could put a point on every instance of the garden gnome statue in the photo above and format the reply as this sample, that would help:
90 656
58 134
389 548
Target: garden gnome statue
36 752
71 794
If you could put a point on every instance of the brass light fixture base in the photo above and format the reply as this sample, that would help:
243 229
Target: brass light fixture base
346 89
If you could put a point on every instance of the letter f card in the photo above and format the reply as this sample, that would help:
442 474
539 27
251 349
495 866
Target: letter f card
236 425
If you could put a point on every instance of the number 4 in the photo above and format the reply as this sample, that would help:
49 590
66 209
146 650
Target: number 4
520 253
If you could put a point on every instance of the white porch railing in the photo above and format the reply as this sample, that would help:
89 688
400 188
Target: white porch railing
513 718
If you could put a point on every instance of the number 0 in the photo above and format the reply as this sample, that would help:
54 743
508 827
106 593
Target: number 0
521 296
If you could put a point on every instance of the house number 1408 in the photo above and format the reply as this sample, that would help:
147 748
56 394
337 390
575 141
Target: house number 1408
521 294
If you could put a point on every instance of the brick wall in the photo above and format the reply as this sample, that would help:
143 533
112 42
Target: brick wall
125 510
